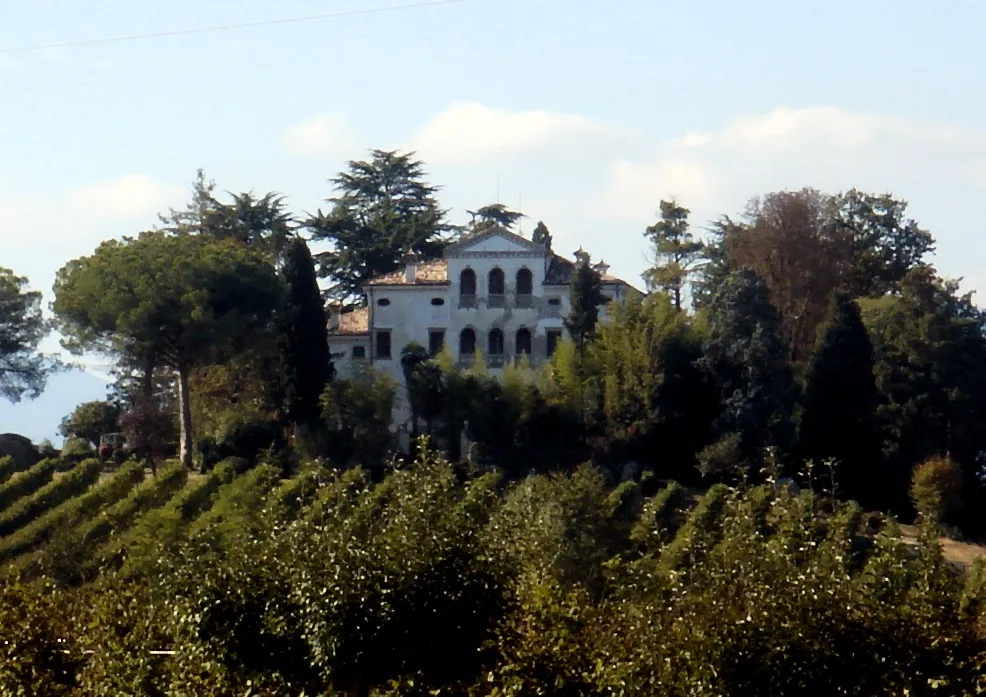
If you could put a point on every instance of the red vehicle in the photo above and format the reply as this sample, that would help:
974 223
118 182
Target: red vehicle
112 447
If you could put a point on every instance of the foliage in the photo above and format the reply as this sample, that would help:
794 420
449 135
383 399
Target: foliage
838 418
27 482
33 659
305 363
357 415
384 209
149 431
243 388
8 467
76 449
585 298
745 355
806 244
261 224
159 530
885 245
653 397
23 369
58 491
419 381
90 420
676 251
936 488
930 367
73 513
436 580
493 215
245 440
91 534
169 300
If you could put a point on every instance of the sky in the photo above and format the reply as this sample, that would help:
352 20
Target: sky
581 114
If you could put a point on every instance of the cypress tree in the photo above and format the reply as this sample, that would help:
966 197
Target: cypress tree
585 297
839 417
306 364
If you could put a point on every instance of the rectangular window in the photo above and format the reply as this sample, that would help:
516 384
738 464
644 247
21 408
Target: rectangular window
436 341
383 343
554 338
359 352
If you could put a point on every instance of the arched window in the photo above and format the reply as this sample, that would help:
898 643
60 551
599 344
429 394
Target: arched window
467 288
467 342
525 282
523 342
496 342
496 287
525 287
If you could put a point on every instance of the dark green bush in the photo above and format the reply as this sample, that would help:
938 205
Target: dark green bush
77 449
69 485
75 511
8 467
936 488
438 581
27 482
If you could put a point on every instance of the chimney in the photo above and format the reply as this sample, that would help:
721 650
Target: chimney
410 267
334 310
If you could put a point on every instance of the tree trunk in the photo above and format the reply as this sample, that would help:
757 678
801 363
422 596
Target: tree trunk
185 413
147 397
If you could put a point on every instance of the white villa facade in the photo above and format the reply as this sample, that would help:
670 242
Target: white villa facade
494 290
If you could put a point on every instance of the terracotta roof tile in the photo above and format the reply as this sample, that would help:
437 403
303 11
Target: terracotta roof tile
426 273
435 272
355 322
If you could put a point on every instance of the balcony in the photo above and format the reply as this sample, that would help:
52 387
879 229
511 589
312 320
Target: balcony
467 300
524 300
496 360
496 300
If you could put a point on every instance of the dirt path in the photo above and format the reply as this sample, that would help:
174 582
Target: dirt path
960 553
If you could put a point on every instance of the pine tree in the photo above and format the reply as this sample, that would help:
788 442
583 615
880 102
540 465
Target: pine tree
675 251
306 364
840 401
493 215
383 210
541 235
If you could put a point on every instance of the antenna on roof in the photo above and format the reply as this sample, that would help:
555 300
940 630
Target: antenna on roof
520 209
498 189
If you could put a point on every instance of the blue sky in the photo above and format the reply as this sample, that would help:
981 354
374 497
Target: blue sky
584 114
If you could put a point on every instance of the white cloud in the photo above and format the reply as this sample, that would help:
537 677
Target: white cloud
40 233
599 187
130 197
826 147
324 134
469 133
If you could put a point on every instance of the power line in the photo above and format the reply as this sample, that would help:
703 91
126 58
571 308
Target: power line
231 27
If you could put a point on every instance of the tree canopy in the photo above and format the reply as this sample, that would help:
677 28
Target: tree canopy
494 214
675 252
24 369
384 209
90 420
167 300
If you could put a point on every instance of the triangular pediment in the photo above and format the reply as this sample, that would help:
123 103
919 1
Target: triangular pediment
494 240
